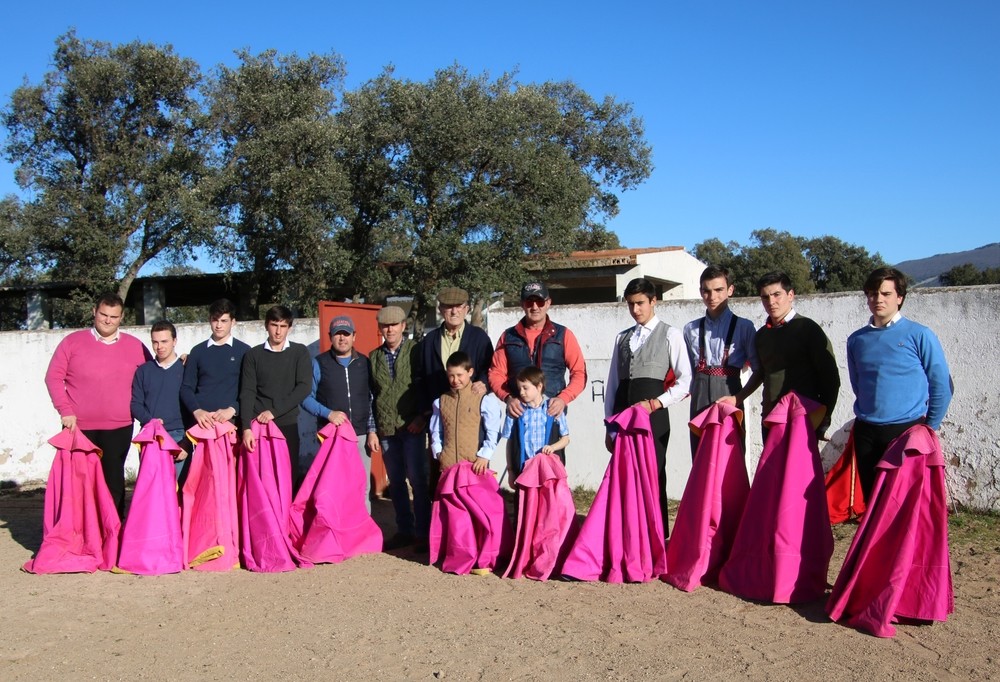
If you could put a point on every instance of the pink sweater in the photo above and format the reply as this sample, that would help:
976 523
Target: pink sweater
93 380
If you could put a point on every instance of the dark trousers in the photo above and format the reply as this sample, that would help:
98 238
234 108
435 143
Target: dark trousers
114 445
291 434
870 443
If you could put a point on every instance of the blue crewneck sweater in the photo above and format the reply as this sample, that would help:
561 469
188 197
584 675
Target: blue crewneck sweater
212 376
899 374
156 394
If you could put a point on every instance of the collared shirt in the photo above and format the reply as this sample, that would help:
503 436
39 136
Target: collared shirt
450 341
390 358
109 340
267 346
533 423
895 318
167 366
641 332
678 362
742 350
785 320
228 341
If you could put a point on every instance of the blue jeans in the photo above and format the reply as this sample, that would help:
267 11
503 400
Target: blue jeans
405 457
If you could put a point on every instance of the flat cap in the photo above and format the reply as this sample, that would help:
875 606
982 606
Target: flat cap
453 296
391 314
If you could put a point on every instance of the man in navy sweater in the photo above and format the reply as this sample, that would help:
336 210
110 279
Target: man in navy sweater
156 388
341 391
898 372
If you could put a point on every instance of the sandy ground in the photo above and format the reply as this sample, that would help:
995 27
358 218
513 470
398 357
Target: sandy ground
389 617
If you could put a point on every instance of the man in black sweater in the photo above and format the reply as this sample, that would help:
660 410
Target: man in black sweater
276 378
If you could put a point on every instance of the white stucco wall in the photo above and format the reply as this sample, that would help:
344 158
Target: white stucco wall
965 319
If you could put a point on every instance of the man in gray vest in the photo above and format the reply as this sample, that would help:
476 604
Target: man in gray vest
649 368
341 380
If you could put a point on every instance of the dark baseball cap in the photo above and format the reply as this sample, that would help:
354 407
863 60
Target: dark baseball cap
341 323
534 290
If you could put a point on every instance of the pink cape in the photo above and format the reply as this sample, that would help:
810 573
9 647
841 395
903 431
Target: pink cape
469 527
329 522
151 540
80 527
783 546
546 519
713 501
844 497
264 493
208 512
622 536
897 565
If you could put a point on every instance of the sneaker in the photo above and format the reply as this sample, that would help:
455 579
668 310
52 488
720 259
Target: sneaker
398 541
481 571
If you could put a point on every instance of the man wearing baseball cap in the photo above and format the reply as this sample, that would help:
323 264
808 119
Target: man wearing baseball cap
537 340
341 391
401 424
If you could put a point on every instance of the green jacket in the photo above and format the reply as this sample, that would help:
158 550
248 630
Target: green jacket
397 400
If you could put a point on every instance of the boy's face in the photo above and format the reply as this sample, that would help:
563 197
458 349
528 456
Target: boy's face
715 293
641 307
277 332
530 394
776 301
163 344
459 377
222 327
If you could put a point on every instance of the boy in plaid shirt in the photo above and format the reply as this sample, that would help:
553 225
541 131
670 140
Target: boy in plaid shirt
534 431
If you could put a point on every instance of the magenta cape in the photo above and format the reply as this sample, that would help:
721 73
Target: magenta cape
469 527
208 512
897 565
546 519
844 497
329 522
80 527
264 495
713 501
783 546
151 539
622 537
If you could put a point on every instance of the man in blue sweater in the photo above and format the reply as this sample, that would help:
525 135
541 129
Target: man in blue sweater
898 372
341 391
156 388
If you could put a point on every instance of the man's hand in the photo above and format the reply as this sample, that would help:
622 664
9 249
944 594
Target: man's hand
69 422
645 406
224 415
556 405
265 417
479 388
373 443
548 450
181 456
418 424
249 442
480 465
336 418
609 442
727 400
515 408
205 419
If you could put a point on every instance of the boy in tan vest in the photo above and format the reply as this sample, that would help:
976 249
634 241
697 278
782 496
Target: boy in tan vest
464 426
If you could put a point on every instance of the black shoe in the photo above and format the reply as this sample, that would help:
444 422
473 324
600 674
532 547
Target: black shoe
398 541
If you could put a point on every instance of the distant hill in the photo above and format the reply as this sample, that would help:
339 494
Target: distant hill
925 271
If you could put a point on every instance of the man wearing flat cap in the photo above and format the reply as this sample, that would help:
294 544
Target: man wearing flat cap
537 340
341 392
401 424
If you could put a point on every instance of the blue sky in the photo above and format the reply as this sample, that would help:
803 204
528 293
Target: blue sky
874 121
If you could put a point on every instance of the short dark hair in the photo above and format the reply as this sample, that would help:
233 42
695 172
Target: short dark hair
459 359
278 313
879 275
715 272
533 375
775 277
220 307
163 326
640 285
110 299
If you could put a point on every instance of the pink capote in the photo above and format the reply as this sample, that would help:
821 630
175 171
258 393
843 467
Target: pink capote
622 537
469 526
209 523
80 526
328 521
546 519
151 539
782 549
713 500
897 566
844 497
264 495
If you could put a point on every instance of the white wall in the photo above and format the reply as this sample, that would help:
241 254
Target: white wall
965 319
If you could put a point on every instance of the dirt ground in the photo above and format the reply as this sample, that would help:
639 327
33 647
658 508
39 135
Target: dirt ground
390 617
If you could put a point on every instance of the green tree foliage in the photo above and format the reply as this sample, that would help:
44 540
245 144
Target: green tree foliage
110 147
968 274
456 180
823 264
281 187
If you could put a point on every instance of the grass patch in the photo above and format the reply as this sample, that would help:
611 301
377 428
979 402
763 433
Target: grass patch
978 529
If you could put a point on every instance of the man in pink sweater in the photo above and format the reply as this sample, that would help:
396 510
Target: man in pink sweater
90 382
